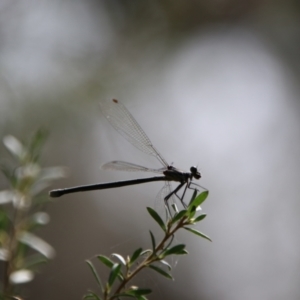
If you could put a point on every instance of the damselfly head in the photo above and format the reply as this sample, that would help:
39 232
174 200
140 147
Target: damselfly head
195 173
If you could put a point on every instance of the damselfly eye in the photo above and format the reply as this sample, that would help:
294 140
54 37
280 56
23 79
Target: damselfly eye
195 172
197 175
193 169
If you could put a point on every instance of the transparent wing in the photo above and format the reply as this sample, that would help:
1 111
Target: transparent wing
130 167
165 208
122 120
159 204
164 211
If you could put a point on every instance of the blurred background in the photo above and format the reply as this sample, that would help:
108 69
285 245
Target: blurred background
213 84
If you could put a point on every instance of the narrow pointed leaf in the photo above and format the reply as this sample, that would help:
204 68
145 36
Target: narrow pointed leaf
14 146
198 200
178 216
133 293
119 296
174 250
146 252
91 296
157 218
115 270
198 233
136 255
191 211
153 242
33 261
125 295
139 292
8 174
161 271
36 143
95 273
193 196
166 264
183 252
106 261
4 219
200 218
37 243
120 258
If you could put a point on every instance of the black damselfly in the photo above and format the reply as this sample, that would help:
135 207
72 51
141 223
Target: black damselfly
121 119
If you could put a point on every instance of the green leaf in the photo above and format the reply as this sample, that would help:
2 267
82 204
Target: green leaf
198 201
33 261
183 252
161 271
153 242
119 296
109 263
133 293
4 219
15 147
178 216
37 244
174 250
139 292
193 196
10 176
115 270
36 144
146 252
91 296
197 233
120 258
135 255
200 218
157 218
191 212
95 273
106 261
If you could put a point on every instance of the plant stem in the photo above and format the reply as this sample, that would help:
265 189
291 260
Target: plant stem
152 258
12 250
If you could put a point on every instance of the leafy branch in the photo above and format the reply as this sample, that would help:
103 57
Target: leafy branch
122 270
20 213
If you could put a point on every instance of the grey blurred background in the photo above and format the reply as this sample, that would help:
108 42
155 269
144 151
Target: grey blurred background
213 83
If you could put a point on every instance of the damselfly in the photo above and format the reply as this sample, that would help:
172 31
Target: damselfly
121 119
